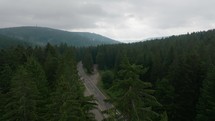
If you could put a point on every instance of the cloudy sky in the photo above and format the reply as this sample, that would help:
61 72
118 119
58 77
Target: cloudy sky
117 19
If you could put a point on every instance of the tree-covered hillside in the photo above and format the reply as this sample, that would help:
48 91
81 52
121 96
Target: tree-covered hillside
42 84
42 36
6 42
180 68
169 79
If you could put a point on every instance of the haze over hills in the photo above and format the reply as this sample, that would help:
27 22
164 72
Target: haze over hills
42 35
6 42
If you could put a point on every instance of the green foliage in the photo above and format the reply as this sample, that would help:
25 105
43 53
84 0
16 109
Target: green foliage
99 60
22 99
37 75
177 65
67 101
165 94
186 77
107 79
88 62
42 84
206 104
8 42
40 36
134 98
51 65
5 77
182 60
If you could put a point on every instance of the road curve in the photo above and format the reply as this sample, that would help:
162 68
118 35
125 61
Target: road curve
91 89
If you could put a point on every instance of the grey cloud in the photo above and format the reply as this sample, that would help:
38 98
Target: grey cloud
114 18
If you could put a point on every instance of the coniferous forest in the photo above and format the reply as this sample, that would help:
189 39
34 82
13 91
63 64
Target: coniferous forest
41 84
168 79
177 73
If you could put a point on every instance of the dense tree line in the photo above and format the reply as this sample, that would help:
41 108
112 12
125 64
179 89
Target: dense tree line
40 36
133 97
180 68
6 42
171 79
42 84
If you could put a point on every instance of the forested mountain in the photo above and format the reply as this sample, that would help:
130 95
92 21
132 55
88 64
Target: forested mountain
168 79
177 70
42 36
6 42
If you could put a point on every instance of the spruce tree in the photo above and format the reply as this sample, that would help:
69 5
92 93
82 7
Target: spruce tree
133 97
5 77
22 99
37 75
88 62
67 102
206 104
165 95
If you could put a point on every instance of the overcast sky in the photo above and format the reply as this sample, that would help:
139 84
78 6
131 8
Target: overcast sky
117 19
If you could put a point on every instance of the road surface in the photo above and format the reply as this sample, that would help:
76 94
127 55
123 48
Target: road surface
91 89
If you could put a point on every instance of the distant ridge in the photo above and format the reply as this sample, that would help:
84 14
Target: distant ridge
43 35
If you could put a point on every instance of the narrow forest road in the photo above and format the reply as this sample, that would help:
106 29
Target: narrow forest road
90 82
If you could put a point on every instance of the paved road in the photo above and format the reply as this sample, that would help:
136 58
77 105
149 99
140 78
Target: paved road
91 89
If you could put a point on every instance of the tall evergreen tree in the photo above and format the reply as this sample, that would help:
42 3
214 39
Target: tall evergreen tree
5 78
22 100
186 77
67 102
165 95
134 97
50 64
206 104
37 75
88 62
